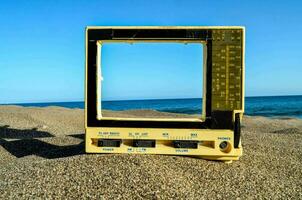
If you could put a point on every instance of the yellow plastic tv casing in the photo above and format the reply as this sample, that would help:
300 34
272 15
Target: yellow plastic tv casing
215 136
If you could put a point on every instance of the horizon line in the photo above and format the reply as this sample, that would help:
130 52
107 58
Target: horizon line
140 99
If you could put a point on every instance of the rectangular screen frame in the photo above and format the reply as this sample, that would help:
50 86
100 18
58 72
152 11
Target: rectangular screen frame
99 79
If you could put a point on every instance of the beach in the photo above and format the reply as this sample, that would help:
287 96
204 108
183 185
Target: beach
42 156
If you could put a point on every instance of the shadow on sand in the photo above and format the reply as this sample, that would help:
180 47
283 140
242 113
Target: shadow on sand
24 143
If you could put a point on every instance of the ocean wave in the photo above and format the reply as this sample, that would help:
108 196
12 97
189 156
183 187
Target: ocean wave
181 110
295 113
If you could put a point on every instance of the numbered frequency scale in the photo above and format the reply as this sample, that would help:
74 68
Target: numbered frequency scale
215 136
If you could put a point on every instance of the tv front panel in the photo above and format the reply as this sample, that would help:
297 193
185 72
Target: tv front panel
216 135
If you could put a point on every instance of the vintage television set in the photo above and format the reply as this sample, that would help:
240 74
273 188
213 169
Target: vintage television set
215 135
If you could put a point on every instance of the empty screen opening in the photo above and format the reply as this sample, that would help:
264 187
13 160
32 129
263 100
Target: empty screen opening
150 80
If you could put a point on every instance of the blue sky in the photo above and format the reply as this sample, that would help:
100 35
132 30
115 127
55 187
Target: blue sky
151 71
42 42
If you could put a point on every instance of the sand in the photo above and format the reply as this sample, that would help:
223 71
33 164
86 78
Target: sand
42 156
146 114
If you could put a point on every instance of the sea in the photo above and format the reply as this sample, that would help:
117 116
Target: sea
269 106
